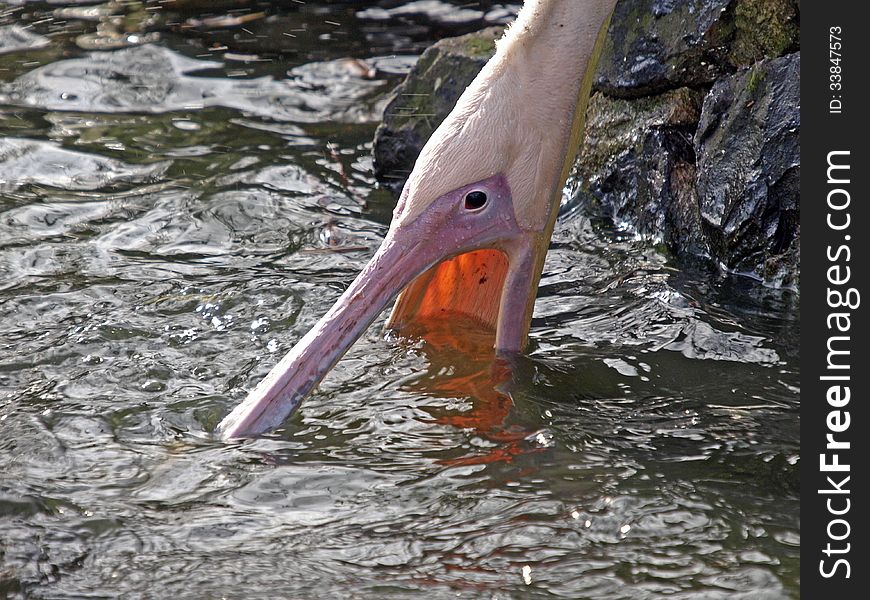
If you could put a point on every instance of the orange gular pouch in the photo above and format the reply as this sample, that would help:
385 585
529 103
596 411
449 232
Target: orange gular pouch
455 304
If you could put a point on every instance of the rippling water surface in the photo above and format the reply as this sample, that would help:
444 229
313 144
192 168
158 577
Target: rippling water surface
174 214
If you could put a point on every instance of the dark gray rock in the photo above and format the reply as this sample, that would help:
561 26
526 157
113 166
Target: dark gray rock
638 163
424 99
656 45
748 160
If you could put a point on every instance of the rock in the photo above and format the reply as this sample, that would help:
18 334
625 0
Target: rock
656 45
748 160
425 98
637 161
763 29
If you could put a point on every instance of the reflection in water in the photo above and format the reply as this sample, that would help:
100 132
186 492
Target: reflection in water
173 219
463 369
34 162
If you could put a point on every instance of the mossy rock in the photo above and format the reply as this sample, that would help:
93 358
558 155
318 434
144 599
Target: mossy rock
614 125
637 163
763 29
657 45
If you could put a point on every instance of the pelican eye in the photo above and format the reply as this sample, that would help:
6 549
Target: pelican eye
475 200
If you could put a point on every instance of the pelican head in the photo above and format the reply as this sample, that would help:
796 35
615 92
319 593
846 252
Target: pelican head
471 230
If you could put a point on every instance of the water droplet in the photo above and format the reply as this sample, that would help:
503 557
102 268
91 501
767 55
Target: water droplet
92 359
152 386
186 125
527 574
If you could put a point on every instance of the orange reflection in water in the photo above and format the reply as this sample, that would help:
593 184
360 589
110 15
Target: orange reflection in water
463 364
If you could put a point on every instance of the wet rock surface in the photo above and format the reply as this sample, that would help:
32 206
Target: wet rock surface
691 135
638 164
748 160
655 45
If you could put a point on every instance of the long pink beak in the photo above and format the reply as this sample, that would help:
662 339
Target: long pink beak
440 232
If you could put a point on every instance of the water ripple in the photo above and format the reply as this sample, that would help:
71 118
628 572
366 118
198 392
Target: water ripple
170 225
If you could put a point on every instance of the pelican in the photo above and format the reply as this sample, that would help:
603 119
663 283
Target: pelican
473 223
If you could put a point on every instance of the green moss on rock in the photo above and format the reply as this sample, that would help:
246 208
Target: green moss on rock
763 29
637 163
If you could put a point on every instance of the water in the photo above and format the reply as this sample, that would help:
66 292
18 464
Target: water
174 217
